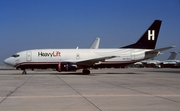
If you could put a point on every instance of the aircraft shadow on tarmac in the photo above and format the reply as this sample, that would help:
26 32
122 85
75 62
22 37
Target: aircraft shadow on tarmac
67 73
166 71
92 74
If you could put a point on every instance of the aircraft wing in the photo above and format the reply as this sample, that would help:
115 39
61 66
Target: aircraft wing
92 61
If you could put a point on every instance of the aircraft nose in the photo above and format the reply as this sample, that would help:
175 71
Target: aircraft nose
9 61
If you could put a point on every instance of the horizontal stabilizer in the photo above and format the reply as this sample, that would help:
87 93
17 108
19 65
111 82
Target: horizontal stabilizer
162 49
155 52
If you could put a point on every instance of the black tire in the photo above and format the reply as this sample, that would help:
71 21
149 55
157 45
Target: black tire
85 71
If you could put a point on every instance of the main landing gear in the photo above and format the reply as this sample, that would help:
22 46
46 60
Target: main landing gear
24 72
86 71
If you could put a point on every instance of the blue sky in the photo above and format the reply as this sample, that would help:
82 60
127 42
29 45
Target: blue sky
33 24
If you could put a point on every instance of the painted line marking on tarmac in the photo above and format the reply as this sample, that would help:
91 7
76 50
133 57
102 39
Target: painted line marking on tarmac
78 96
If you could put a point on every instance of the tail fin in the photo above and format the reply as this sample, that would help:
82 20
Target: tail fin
95 44
172 56
149 38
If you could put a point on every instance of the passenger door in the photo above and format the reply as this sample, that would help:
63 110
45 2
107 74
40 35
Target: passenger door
28 56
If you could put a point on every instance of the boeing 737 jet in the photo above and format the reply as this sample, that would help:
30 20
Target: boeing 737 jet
74 59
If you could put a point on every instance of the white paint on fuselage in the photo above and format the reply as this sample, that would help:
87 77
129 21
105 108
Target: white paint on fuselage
74 55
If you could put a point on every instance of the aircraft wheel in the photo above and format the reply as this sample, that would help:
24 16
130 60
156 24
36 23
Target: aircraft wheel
86 71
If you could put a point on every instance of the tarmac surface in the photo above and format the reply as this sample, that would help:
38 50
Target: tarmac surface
128 89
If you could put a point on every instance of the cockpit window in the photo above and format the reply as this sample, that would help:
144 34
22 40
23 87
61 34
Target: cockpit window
15 55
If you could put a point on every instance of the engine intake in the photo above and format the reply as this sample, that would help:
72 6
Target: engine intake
66 67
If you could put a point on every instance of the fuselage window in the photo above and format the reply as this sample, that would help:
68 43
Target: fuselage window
15 55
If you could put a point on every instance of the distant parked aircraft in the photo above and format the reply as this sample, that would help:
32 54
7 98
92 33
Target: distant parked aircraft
94 44
171 62
157 63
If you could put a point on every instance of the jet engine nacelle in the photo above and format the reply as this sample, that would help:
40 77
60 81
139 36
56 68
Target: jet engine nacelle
66 67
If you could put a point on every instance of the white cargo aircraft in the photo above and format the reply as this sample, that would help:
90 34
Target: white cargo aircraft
74 59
